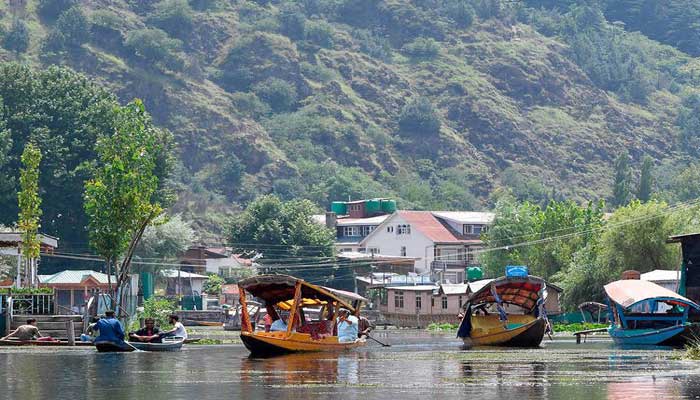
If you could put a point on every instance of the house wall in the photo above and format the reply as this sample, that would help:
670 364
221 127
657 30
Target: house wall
390 243
214 265
431 308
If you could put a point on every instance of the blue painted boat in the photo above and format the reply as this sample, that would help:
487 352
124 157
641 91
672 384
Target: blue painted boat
644 313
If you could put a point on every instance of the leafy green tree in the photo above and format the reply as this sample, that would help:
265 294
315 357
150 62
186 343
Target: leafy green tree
646 180
17 38
292 21
231 175
71 30
125 194
156 47
173 16
51 9
320 33
30 207
419 117
213 285
621 185
689 123
166 238
422 48
280 95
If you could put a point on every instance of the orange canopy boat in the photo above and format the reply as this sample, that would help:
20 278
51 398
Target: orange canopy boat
287 293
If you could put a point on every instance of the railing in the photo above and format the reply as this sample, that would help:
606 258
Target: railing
31 304
450 264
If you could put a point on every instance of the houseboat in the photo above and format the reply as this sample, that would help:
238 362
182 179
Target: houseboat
644 313
509 311
283 294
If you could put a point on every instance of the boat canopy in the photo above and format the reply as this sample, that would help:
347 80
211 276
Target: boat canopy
279 289
629 292
520 291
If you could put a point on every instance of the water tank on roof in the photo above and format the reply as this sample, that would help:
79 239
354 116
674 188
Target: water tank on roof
339 207
474 274
388 206
372 206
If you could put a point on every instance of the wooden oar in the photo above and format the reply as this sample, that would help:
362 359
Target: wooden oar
383 344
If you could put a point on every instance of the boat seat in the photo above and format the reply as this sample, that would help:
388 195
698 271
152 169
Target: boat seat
317 329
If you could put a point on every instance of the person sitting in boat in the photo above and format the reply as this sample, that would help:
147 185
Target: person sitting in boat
111 330
364 326
149 333
278 325
348 326
91 332
178 329
28 331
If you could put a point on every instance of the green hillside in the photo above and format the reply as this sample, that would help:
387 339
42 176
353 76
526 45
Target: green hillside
438 103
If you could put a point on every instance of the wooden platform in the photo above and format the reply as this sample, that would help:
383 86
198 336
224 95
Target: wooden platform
586 332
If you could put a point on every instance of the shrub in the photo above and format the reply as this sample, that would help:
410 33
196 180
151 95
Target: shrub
203 5
425 48
292 22
373 45
72 29
51 9
157 308
320 33
280 95
250 104
419 116
173 16
17 39
156 47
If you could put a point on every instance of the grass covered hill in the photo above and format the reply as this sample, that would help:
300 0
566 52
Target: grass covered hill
437 103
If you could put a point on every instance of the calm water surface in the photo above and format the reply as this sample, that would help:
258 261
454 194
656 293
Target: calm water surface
418 365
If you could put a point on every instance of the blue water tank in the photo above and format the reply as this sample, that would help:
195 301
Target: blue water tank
516 271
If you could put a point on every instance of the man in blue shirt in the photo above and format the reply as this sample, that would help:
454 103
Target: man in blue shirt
347 326
110 330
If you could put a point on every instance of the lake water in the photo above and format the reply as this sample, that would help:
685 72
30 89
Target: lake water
418 365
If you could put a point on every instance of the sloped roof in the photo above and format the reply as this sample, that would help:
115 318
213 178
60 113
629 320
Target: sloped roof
466 217
661 275
430 226
173 273
376 220
629 292
73 277
454 288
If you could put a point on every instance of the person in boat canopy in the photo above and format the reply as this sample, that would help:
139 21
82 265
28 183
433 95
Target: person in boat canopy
149 333
178 328
348 326
111 329
28 331
91 332
278 325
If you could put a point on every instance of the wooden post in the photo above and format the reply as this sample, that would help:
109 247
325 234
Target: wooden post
246 326
70 327
293 312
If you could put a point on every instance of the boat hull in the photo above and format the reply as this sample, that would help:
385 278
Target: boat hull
675 336
529 334
109 347
277 343
165 346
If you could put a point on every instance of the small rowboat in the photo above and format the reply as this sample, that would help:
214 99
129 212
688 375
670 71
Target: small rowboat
111 347
168 344
291 294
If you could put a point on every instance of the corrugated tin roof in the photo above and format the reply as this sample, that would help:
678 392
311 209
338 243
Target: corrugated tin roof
414 288
362 221
73 277
466 217
454 288
173 273
427 224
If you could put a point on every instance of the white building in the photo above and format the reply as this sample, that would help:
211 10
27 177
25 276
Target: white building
445 241
666 278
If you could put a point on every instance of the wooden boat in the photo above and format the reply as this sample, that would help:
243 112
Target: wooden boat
509 311
192 322
168 344
283 292
111 347
14 342
644 313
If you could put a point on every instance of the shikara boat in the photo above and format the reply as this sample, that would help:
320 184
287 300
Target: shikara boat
168 344
507 312
644 313
283 292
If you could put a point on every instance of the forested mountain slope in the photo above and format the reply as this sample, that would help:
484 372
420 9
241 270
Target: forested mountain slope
437 103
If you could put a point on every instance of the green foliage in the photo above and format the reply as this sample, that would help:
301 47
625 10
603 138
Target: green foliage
174 17
71 30
422 48
374 45
29 201
292 21
154 46
167 238
280 95
621 185
442 327
419 117
213 285
26 290
51 9
578 326
689 123
525 188
646 180
250 104
319 33
231 175
157 308
17 38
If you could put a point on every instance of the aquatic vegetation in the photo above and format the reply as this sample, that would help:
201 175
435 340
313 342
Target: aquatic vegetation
692 349
575 327
442 327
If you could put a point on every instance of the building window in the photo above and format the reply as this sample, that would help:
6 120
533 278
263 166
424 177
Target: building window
470 229
432 302
346 250
390 229
367 229
373 250
362 250
351 231
383 297
403 251
403 229
419 301
444 302
398 299
460 301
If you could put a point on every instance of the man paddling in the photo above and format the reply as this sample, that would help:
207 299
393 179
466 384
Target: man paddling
348 326
111 330
178 329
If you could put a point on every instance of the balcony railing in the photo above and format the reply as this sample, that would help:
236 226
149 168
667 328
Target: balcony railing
452 264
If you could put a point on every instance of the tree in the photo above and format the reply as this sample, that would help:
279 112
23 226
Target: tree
418 116
126 194
213 285
173 16
645 180
29 206
280 95
51 9
689 123
422 48
621 186
17 39
292 21
156 47
71 30
166 238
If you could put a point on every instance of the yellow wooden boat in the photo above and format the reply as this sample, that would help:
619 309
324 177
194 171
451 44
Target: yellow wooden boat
287 293
508 311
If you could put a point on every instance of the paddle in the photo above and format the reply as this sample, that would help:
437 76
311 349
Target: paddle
383 344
